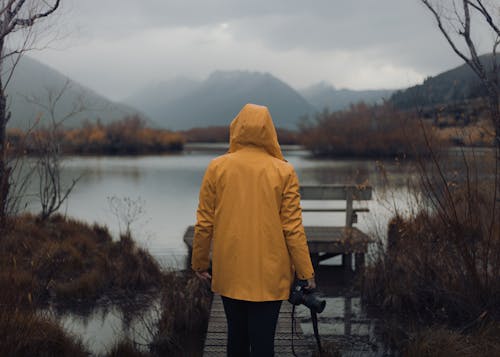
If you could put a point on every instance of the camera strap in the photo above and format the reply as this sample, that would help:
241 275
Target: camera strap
314 319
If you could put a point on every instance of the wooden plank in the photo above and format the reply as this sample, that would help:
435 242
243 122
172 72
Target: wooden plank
334 209
216 339
322 239
348 211
336 240
335 192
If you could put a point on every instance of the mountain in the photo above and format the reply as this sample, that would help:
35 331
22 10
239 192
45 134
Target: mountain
38 81
153 99
325 96
453 86
184 104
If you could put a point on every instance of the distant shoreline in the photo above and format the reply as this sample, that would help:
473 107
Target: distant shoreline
224 146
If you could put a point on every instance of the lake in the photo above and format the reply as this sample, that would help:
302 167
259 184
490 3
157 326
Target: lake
165 190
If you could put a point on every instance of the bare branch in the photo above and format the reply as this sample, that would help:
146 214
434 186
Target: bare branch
14 15
17 8
16 61
31 20
483 11
7 7
445 33
470 44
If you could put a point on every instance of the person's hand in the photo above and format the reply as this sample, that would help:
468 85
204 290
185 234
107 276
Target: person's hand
311 284
204 275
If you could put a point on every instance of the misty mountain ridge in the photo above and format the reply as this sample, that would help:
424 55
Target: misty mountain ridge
183 103
324 95
455 85
154 97
34 82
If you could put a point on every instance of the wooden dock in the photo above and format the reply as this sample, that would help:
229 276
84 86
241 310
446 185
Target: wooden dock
215 342
323 242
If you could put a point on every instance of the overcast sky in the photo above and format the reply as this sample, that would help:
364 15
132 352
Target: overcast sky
117 47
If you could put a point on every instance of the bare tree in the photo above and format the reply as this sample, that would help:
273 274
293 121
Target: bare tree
459 21
48 139
15 16
455 21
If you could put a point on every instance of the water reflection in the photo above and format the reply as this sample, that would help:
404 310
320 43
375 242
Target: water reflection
103 325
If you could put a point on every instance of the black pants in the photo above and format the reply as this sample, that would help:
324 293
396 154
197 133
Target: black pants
250 327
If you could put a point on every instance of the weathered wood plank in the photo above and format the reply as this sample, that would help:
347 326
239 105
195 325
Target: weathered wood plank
322 239
216 339
335 192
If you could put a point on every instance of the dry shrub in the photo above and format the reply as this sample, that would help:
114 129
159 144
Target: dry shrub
133 267
129 136
184 320
126 348
26 334
220 134
212 134
68 260
363 130
440 341
438 271
441 265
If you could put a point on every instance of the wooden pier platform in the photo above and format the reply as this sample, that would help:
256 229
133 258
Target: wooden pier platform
215 342
329 241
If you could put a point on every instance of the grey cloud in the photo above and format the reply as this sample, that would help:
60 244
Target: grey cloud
402 31
117 35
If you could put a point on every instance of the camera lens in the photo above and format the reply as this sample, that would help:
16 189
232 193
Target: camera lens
314 303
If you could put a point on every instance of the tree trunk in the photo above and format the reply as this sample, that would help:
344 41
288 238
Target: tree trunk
4 169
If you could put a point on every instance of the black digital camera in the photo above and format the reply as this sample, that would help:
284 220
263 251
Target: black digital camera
310 298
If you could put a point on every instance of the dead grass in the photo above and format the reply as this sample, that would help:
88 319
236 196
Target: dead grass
24 333
66 260
476 134
365 131
437 278
185 310
441 341
69 262
126 348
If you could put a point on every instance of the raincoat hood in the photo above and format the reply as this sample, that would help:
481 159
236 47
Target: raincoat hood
253 126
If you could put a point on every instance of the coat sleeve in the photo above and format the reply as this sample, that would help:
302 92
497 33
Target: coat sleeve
203 230
293 230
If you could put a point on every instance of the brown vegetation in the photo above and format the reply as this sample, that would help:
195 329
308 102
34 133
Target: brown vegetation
184 320
66 260
463 123
441 341
441 264
71 263
181 327
129 136
212 134
367 131
26 334
220 134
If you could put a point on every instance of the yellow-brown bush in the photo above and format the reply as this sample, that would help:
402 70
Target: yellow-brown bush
367 131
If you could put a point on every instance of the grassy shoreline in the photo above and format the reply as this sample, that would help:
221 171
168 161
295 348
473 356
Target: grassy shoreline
436 280
74 265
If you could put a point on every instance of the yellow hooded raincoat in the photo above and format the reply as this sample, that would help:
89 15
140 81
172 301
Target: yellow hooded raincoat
249 211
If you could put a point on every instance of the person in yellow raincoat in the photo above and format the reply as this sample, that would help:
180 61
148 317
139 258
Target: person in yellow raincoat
249 213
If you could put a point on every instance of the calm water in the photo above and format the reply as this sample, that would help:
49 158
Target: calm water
166 191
